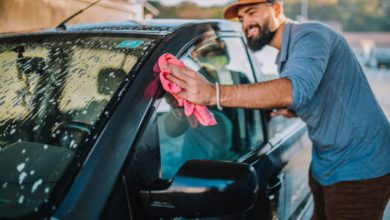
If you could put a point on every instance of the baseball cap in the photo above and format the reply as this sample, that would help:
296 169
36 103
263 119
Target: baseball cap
232 9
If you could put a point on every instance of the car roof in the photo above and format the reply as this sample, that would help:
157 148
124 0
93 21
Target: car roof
149 26
155 26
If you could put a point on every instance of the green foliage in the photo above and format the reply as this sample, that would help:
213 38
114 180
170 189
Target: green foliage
353 15
189 11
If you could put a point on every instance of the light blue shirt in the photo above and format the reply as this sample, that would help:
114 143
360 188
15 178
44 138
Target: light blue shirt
350 133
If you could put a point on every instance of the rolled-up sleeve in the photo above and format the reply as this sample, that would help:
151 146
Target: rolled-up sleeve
306 66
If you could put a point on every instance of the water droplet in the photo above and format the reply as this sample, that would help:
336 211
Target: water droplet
21 198
36 128
47 190
23 151
5 185
72 143
22 176
45 146
36 185
32 172
21 166
12 131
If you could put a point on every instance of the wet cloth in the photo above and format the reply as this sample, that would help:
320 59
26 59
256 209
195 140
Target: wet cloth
350 133
201 113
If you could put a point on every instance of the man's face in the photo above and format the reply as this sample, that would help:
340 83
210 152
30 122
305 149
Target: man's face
256 20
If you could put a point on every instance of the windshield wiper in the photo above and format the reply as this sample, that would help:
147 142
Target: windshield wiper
62 25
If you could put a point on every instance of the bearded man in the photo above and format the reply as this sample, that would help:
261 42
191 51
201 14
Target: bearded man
322 82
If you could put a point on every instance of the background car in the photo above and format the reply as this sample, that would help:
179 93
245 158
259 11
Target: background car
87 132
379 58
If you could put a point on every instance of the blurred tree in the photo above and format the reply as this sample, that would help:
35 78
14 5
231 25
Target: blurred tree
353 15
188 10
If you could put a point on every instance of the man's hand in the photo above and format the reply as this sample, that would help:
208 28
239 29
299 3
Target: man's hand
265 95
196 88
284 112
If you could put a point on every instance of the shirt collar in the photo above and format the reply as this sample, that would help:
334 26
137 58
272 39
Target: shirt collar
283 54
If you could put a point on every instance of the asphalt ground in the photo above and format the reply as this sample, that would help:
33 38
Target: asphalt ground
379 80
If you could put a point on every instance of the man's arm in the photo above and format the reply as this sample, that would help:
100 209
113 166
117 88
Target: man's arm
297 86
266 95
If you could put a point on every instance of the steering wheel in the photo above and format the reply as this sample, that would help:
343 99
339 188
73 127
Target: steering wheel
70 133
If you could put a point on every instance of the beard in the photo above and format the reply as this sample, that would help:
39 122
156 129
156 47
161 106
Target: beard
258 42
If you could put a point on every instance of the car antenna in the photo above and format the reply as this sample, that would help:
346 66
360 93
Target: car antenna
62 26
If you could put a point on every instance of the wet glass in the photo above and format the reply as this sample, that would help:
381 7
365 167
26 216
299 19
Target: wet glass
238 131
54 92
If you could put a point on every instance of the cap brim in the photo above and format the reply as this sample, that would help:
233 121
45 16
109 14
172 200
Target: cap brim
232 10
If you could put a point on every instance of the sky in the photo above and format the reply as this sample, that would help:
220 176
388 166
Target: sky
204 3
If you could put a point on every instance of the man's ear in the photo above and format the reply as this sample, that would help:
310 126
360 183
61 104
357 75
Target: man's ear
278 8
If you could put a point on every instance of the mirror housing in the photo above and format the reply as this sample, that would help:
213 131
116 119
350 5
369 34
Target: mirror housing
203 188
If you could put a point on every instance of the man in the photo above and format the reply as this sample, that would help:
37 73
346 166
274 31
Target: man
322 82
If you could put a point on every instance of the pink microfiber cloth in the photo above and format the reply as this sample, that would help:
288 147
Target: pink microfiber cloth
200 112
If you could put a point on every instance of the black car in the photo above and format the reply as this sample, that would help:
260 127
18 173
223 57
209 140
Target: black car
87 132
379 58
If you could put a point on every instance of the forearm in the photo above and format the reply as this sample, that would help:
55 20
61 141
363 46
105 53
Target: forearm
265 95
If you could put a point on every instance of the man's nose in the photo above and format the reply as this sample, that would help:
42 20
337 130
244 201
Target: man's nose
245 24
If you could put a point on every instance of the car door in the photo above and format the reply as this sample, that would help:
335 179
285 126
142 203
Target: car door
278 148
238 132
241 135
290 136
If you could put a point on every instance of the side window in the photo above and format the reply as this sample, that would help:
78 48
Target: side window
238 130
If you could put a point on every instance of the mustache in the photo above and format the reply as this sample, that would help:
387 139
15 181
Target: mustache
253 26
264 37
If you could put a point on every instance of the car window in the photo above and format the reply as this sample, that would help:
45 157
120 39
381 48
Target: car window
54 91
238 130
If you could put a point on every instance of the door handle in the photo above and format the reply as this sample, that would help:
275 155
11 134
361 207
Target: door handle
274 186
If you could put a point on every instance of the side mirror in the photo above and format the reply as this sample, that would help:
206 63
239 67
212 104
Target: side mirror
203 189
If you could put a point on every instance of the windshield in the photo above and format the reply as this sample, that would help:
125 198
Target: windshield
54 93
